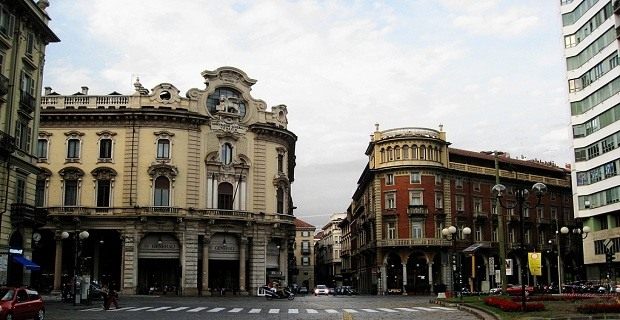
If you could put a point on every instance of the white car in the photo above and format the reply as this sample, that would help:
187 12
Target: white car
321 289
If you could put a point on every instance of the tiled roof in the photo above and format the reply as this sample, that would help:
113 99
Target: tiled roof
300 224
528 163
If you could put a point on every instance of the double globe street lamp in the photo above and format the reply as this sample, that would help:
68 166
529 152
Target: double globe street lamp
583 233
78 238
451 234
521 198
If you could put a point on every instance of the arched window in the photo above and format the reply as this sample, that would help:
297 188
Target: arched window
71 183
397 153
225 196
382 155
227 153
429 152
280 200
405 152
414 152
422 152
214 99
161 197
390 153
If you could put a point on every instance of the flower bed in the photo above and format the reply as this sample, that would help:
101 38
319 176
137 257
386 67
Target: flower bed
509 305
591 308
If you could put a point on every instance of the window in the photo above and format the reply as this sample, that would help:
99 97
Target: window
280 163
554 213
438 179
438 228
226 155
163 149
415 198
305 261
20 189
214 100
477 205
458 183
280 200
29 44
391 230
478 233
528 236
71 193
305 233
603 222
27 83
494 234
105 149
511 235
7 22
390 200
405 152
540 213
42 149
460 203
103 193
415 177
73 148
397 153
225 196
477 186
305 246
22 134
39 196
526 212
389 179
162 192
417 230
541 237
439 200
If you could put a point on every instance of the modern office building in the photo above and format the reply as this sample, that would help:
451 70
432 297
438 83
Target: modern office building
302 268
24 35
415 186
158 192
591 51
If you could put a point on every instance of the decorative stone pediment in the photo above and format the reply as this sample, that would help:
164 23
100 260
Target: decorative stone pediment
165 93
104 173
71 173
163 169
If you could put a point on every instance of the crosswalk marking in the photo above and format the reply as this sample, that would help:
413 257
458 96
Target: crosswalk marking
370 310
235 310
445 308
120 309
274 310
216 309
350 310
311 311
139 309
293 310
387 310
159 309
425 309
178 309
92 309
331 311
408 309
255 311
197 309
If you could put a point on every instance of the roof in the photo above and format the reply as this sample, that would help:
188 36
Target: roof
504 159
300 224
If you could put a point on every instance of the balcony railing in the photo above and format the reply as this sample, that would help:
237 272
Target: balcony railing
25 214
7 144
4 85
417 210
481 215
541 220
27 102
413 242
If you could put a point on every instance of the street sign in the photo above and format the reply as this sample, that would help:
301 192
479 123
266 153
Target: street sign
609 245
491 265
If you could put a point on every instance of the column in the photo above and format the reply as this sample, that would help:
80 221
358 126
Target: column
96 261
242 248
283 263
58 265
382 284
205 266
430 277
404 264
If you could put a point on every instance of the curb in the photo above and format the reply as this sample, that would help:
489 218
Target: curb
478 313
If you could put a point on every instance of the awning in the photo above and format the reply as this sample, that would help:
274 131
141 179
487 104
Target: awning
476 246
26 263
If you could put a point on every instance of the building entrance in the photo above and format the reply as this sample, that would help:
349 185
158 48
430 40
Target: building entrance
224 276
159 268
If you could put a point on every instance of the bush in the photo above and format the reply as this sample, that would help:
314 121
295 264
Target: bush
591 308
509 305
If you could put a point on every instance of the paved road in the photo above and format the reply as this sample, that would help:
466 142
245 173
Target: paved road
303 307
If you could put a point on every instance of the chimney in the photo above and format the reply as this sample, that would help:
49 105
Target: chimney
48 90
84 90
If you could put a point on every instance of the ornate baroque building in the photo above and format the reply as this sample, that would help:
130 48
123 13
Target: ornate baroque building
415 185
24 34
177 194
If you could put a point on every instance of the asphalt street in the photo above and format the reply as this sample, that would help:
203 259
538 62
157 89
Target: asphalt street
237 307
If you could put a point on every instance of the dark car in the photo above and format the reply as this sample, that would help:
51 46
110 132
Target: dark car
515 290
20 303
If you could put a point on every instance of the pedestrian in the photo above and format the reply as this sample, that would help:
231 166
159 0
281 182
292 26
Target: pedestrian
113 298
105 293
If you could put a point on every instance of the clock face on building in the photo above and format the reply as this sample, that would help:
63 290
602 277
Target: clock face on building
36 237
226 100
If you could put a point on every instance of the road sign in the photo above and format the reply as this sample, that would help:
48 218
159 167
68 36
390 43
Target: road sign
609 245
491 265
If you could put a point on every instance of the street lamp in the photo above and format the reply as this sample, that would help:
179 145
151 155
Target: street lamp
564 230
78 237
451 234
521 195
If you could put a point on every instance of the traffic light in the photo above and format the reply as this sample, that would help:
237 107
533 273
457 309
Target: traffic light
610 256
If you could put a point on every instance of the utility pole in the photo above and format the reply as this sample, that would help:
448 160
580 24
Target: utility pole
500 231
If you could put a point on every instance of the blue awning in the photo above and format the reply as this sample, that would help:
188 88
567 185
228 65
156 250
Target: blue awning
26 263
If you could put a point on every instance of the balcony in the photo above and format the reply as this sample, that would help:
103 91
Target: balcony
481 215
27 102
26 215
7 144
514 218
420 211
460 212
541 220
305 250
4 85
436 242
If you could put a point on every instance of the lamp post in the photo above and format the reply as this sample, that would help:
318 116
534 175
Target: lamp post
583 233
521 195
451 234
78 237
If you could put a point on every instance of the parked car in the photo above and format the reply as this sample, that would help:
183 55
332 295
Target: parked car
303 290
332 291
515 290
21 303
321 289
497 290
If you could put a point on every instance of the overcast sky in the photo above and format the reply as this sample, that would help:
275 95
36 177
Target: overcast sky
490 71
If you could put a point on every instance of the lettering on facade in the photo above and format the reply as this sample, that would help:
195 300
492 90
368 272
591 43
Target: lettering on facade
233 128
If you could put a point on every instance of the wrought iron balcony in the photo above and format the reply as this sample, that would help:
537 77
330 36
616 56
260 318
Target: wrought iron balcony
481 215
4 85
417 211
7 144
25 214
27 102
541 220
413 242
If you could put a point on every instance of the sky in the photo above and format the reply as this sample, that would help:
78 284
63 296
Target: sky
490 71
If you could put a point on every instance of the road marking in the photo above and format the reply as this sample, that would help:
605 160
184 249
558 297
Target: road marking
120 309
370 310
425 309
216 309
159 309
178 309
138 309
408 309
445 308
387 310
254 311
235 310
197 309
293 310
311 311
92 309
331 311
274 310
350 310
